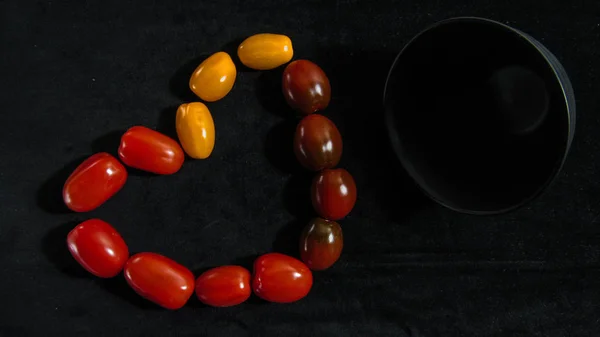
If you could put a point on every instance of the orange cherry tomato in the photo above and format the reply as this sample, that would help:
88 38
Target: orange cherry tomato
265 51
148 150
159 279
195 129
224 286
93 182
281 278
98 248
214 77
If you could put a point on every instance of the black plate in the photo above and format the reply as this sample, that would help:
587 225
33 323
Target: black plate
480 114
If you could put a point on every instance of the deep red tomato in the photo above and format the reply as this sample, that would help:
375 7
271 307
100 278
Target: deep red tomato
98 248
306 88
151 151
317 143
321 243
281 278
159 279
93 182
224 286
333 193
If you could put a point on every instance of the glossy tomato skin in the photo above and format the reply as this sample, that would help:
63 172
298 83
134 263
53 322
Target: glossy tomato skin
159 279
317 143
98 248
224 286
93 182
281 278
306 88
148 150
321 243
333 193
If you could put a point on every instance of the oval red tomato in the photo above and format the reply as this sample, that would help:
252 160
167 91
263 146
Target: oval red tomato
93 182
333 193
98 248
148 150
281 278
224 286
159 279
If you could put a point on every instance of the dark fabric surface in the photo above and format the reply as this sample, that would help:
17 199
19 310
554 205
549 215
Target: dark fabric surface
76 74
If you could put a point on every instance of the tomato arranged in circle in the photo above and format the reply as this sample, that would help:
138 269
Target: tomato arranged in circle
321 243
148 150
317 143
281 278
159 279
224 286
306 88
333 193
98 248
276 277
93 182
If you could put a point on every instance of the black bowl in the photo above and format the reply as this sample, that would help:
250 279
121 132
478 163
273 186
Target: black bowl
480 115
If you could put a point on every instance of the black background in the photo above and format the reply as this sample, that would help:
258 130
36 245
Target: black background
76 74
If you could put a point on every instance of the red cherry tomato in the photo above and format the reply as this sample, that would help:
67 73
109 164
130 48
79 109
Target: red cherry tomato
98 248
317 143
224 286
305 86
159 279
93 182
148 150
333 193
281 278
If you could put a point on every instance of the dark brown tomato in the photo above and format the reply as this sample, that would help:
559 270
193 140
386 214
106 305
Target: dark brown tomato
317 143
321 243
306 88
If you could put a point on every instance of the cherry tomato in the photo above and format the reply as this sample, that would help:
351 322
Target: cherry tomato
159 279
265 51
317 143
306 88
224 286
281 278
321 243
333 193
98 248
195 129
148 150
213 79
93 182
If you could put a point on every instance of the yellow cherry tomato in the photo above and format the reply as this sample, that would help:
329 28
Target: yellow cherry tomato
265 51
214 77
195 129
